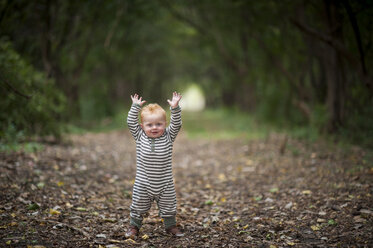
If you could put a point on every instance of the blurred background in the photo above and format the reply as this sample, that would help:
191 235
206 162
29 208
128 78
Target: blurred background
244 67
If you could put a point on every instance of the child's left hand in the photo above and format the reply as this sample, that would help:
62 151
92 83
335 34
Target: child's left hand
175 100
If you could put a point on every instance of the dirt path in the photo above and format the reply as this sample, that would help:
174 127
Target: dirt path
230 194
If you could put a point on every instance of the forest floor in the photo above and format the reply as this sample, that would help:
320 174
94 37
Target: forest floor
230 193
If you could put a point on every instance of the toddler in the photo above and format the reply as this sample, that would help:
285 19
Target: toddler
154 180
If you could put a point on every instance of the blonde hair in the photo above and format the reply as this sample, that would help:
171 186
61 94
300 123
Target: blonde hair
152 108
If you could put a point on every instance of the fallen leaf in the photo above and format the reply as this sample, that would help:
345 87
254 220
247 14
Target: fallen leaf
289 205
319 220
54 212
33 206
257 219
248 169
222 177
268 200
114 241
366 211
131 241
112 220
274 190
101 235
258 198
332 222
249 162
27 202
40 185
358 219
315 227
145 237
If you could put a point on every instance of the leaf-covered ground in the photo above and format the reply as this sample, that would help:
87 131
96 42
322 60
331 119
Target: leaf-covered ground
231 193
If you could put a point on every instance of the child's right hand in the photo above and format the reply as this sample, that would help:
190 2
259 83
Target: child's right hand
136 100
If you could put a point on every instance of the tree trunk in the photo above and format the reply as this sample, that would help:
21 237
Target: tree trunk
334 71
46 50
246 95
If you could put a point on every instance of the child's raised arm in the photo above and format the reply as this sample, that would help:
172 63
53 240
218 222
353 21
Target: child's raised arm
136 100
175 123
175 100
133 116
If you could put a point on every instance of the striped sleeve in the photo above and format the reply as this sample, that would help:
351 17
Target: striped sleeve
133 121
175 123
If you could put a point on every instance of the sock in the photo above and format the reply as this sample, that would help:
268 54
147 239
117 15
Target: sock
169 221
136 222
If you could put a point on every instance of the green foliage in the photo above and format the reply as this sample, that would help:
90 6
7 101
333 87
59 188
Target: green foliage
30 104
116 121
312 129
359 127
227 123
274 106
258 56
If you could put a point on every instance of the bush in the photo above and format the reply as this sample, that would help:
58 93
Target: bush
30 104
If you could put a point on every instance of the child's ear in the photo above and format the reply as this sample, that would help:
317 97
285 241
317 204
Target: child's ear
141 126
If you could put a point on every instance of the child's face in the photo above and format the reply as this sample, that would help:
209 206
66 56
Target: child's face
153 125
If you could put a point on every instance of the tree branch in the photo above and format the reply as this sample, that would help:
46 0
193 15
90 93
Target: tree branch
87 235
355 27
300 103
115 24
11 88
181 17
67 28
326 39
5 9
231 62
340 48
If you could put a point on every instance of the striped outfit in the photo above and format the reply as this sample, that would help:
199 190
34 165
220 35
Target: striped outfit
154 180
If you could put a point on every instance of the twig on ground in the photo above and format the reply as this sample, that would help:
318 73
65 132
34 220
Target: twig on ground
71 227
